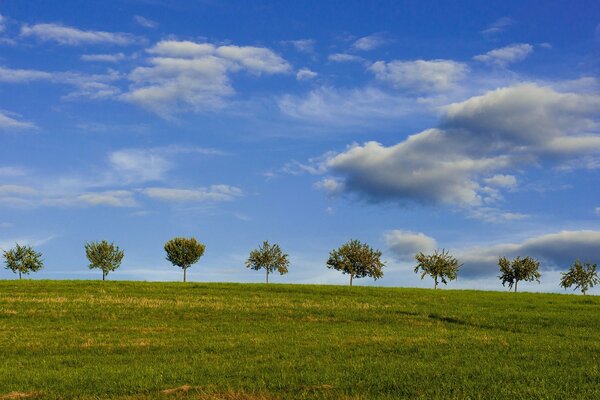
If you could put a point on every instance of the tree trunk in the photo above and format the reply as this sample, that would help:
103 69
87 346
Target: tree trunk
516 284
184 276
20 275
103 275
351 276
267 277
435 283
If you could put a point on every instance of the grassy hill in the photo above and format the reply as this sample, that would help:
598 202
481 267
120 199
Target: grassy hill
134 340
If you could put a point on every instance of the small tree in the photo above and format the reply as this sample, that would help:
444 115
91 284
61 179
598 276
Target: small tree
440 266
103 255
580 275
357 260
184 252
269 257
519 269
23 259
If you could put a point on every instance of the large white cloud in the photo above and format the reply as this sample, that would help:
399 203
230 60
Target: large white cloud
189 76
420 75
465 160
66 35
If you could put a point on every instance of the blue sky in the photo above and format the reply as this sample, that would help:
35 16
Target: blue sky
471 126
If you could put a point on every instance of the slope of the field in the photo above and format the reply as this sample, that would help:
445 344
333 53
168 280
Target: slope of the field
134 340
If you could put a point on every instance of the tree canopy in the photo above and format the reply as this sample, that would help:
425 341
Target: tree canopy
104 256
184 252
519 269
23 260
583 276
270 258
357 260
440 266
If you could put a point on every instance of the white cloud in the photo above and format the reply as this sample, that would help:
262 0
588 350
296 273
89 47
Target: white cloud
9 122
139 165
113 198
23 75
189 76
464 162
304 74
504 181
597 210
97 86
362 106
368 43
343 57
405 244
69 36
331 185
499 26
148 164
111 58
2 23
528 118
420 75
145 22
214 193
506 55
302 45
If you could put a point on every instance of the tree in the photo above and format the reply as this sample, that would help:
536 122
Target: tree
269 257
184 252
357 260
580 275
23 259
519 269
440 266
103 255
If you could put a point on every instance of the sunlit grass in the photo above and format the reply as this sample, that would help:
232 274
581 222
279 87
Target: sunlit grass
133 340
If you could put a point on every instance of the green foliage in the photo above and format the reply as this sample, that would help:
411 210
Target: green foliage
270 258
357 260
580 275
104 256
440 266
519 269
184 252
23 260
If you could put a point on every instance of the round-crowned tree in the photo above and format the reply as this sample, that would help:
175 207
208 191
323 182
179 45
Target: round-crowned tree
104 256
270 258
184 252
519 269
582 276
23 260
440 265
357 260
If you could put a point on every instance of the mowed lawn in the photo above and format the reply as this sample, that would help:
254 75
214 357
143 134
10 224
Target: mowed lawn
135 340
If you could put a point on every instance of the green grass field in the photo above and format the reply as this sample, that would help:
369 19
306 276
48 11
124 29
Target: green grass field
134 340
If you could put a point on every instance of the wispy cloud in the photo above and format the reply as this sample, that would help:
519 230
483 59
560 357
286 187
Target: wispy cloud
69 36
343 57
420 75
302 45
368 43
111 58
214 193
507 55
499 26
10 121
145 22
